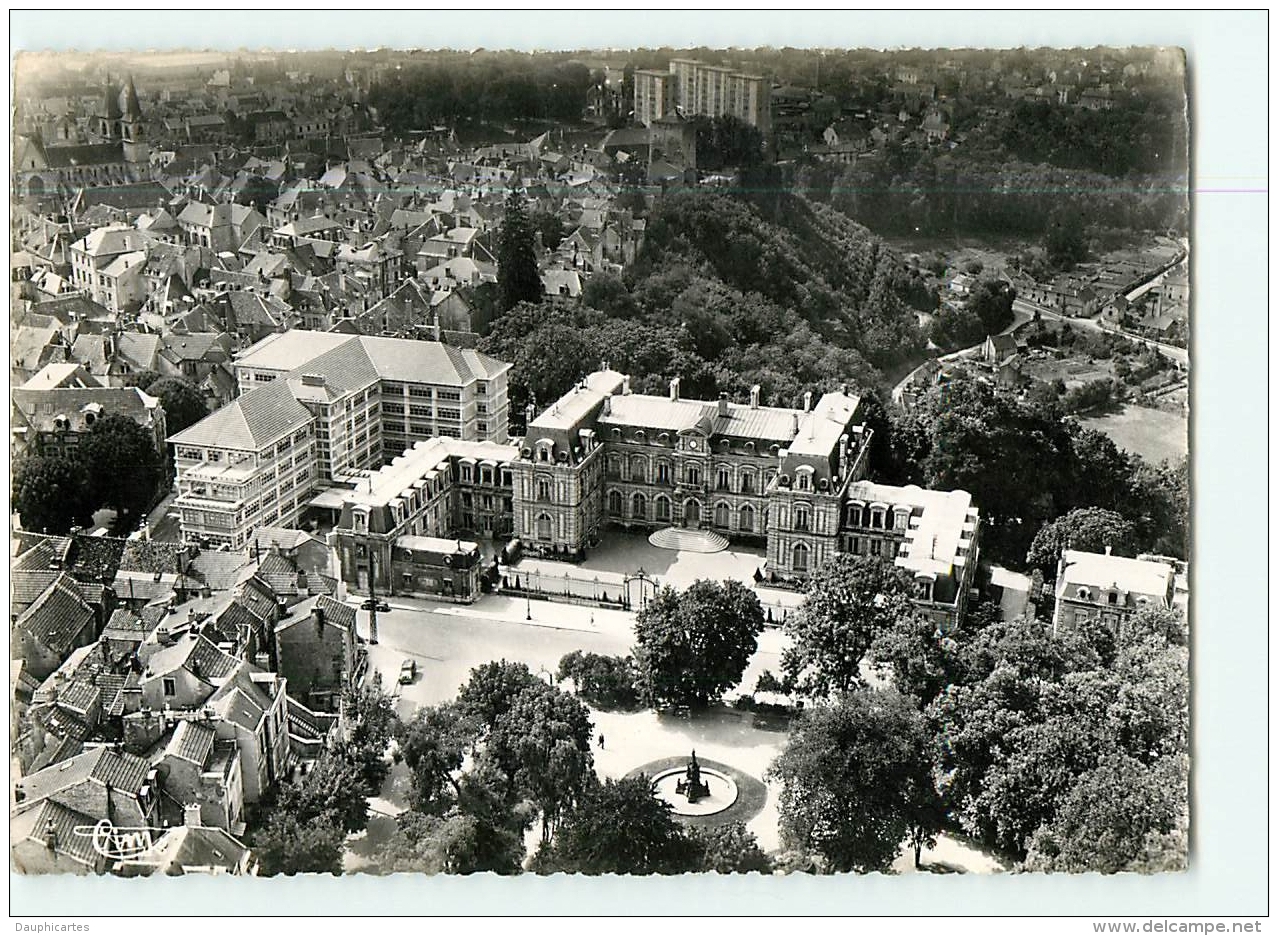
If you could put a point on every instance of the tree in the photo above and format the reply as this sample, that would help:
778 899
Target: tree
456 843
434 746
182 402
620 827
991 300
51 494
125 467
731 849
695 644
1064 241
517 274
549 226
852 774
1114 817
922 657
492 689
542 745
1089 529
334 787
850 600
606 682
290 845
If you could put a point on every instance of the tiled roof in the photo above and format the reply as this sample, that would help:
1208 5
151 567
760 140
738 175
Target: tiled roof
57 616
279 572
121 770
79 697
241 702
197 655
192 741
257 596
221 571
63 822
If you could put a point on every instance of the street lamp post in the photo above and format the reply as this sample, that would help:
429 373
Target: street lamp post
372 596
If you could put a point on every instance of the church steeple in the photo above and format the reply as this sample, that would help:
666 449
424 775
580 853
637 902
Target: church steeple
132 109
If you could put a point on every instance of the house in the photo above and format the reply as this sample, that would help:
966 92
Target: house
54 421
57 622
1095 587
196 770
998 349
561 284
191 848
56 809
218 227
319 653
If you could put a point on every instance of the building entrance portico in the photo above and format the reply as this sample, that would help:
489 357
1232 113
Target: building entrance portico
692 513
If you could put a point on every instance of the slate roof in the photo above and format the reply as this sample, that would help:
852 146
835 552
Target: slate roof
241 701
197 655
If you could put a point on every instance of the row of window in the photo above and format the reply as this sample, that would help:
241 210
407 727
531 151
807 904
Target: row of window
662 507
691 475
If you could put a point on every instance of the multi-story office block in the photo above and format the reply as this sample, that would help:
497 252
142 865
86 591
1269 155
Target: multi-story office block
318 410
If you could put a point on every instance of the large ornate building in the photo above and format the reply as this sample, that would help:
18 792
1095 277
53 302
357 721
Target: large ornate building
790 479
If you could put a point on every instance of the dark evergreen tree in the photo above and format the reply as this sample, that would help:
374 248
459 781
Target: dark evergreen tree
517 275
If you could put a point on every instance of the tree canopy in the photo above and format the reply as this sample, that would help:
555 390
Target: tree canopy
692 645
850 600
51 494
124 467
518 279
182 402
1089 529
856 781
620 827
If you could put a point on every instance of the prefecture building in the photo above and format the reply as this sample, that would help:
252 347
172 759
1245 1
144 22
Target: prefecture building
791 480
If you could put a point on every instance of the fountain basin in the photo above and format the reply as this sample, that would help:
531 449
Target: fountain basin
723 792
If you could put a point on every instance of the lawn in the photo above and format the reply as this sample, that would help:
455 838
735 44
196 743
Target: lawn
1152 434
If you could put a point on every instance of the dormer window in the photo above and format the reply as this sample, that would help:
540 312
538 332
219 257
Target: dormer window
803 481
1113 597
1084 594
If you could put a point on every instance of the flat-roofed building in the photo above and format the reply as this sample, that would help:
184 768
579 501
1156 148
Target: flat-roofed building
408 527
717 91
654 95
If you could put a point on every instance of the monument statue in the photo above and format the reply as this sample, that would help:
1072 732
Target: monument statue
691 786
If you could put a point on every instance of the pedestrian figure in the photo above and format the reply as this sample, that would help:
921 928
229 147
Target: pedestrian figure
592 622
601 742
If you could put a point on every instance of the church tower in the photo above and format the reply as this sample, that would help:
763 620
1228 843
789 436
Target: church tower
108 122
132 131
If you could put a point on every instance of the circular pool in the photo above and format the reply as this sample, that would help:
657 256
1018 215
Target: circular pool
722 791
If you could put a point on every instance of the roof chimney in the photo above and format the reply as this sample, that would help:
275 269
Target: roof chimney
607 404
191 816
807 401
794 424
754 397
1108 549
317 615
625 385
529 414
723 405
674 388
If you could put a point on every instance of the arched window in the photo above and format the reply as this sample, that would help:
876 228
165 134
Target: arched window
725 479
1113 597
614 503
801 514
663 472
543 527
747 482
800 563
543 489
639 507
721 515
866 516
663 508
803 481
1085 594
639 469
614 466
745 517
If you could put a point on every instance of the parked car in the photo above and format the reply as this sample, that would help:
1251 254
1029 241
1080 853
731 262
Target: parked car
382 607
407 672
